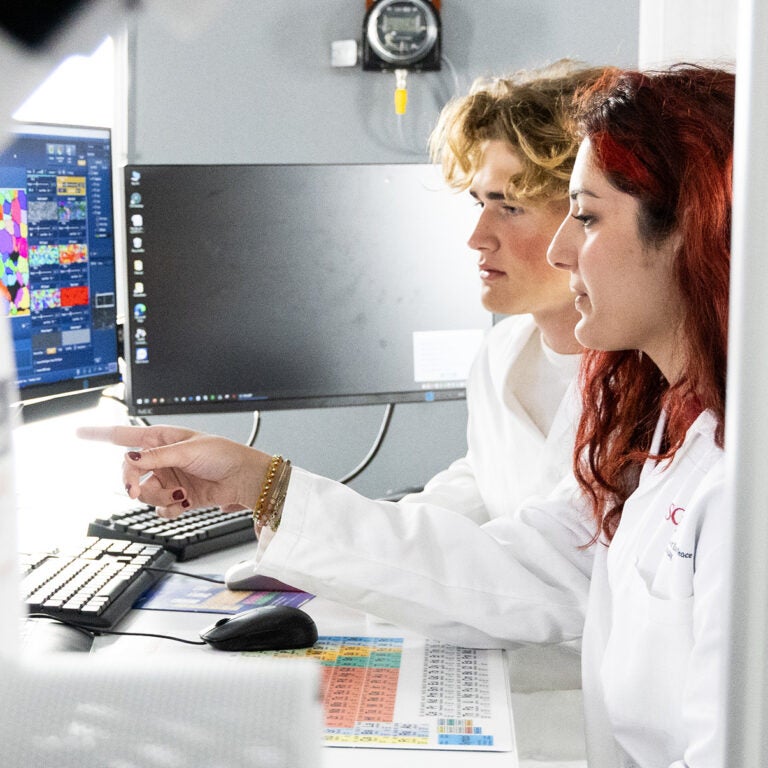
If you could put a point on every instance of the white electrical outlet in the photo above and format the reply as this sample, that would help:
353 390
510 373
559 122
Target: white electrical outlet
344 53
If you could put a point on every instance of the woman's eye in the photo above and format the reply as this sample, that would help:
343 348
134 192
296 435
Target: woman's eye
584 218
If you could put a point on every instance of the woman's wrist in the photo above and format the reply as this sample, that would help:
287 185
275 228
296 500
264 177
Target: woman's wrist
268 508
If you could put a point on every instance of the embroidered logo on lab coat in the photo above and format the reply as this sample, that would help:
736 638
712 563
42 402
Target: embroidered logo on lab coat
675 514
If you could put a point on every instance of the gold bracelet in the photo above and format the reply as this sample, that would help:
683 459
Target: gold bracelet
274 509
269 506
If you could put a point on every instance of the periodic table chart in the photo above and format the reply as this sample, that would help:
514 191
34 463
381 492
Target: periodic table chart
414 694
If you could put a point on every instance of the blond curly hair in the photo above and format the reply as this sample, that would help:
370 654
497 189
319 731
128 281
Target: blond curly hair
531 110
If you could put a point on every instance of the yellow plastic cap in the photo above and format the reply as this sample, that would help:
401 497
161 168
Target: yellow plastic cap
401 99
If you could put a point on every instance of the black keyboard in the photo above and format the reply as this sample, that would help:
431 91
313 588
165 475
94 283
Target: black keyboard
195 532
92 584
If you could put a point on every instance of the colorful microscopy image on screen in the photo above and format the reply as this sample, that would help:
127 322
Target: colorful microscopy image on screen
14 288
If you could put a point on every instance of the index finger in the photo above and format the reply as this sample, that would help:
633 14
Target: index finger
135 437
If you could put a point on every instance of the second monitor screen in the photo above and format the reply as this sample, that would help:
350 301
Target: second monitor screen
278 286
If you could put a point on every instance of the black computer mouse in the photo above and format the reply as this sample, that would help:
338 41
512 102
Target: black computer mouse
268 628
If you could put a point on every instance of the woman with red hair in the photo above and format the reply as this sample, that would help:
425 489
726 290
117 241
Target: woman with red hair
647 244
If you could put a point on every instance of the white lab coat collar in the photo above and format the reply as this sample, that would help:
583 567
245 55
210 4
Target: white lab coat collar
499 357
704 425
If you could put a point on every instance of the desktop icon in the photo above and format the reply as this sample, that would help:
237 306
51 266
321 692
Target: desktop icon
138 266
137 220
135 177
142 355
137 243
140 312
135 198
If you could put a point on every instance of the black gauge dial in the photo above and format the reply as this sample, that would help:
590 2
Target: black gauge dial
402 32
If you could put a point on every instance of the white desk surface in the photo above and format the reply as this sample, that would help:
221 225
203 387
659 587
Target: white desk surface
60 512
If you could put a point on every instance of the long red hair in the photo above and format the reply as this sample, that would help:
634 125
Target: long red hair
666 138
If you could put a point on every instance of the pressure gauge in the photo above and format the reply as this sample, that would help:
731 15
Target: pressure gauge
401 34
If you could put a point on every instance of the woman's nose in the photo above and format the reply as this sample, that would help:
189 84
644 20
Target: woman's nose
561 252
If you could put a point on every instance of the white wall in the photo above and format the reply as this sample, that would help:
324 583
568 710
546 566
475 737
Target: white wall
702 31
256 84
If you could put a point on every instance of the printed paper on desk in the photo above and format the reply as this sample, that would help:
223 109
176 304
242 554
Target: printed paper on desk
408 693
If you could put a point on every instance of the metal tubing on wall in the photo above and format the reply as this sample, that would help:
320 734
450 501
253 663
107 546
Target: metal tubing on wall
747 409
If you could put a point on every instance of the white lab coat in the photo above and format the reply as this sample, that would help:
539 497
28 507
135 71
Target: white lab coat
649 607
655 641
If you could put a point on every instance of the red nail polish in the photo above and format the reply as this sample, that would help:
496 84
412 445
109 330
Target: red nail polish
185 503
134 455
128 489
178 495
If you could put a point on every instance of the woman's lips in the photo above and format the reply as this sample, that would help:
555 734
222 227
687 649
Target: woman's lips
581 301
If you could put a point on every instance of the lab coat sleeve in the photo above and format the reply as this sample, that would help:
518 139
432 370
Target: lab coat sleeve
522 577
454 488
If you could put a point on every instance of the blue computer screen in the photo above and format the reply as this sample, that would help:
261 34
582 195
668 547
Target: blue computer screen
57 249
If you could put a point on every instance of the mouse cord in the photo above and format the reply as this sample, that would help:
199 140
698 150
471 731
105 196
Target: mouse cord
93 632
174 572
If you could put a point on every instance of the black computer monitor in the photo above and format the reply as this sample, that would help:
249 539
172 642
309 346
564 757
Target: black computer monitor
57 250
255 287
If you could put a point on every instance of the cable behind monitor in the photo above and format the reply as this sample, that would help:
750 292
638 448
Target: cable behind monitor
369 457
